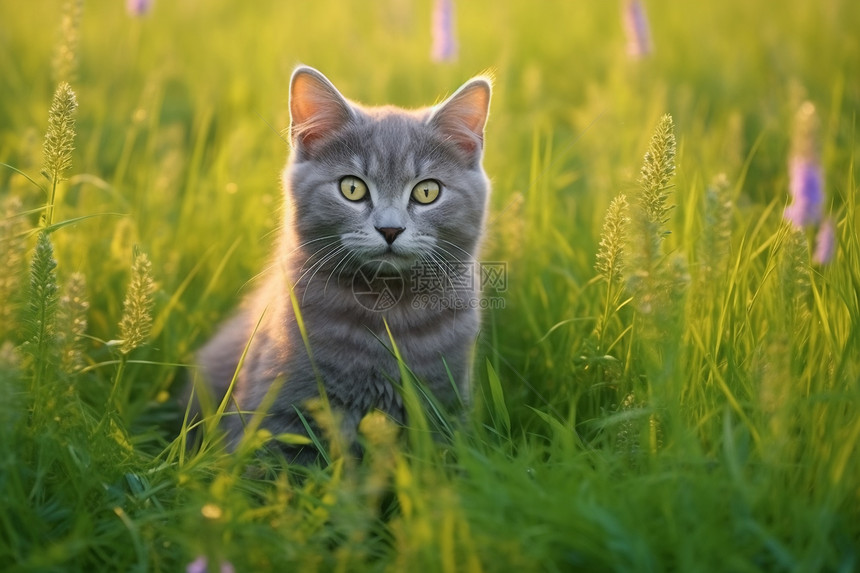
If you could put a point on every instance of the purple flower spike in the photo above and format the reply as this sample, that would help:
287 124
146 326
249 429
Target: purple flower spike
807 192
200 565
444 40
197 566
637 29
139 8
806 178
825 243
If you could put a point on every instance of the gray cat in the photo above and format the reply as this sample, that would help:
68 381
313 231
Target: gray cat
383 219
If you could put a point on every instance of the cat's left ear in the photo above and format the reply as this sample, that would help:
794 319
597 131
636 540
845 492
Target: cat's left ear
461 118
317 110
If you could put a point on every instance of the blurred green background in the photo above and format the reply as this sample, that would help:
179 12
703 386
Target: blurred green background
726 442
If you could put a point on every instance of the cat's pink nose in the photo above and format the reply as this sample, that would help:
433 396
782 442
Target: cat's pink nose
390 233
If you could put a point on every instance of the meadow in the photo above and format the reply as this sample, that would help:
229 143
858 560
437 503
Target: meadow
672 382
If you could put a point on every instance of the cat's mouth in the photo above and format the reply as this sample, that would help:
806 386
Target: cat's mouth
397 258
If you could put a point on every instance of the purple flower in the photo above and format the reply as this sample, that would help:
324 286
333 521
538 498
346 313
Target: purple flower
444 40
197 566
637 29
806 184
138 7
806 178
825 242
200 564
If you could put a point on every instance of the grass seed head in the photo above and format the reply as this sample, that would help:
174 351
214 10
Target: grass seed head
72 324
610 256
60 137
136 320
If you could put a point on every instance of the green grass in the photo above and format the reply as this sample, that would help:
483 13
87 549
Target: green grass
700 414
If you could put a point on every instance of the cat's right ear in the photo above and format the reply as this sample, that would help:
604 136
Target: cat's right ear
317 110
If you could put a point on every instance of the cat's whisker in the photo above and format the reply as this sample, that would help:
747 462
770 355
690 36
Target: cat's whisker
440 268
315 268
316 253
319 253
344 261
265 272
344 256
472 262
451 264
308 266
448 257
316 240
469 255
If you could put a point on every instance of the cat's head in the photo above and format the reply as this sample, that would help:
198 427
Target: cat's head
385 183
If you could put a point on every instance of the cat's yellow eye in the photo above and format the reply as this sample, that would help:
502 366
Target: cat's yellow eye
426 192
353 188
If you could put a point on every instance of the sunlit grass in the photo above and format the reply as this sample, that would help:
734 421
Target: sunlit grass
674 389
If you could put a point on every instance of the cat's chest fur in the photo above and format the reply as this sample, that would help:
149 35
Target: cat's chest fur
352 349
366 189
